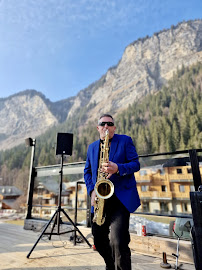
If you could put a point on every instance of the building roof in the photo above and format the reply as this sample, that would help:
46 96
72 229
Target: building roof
10 191
9 202
174 162
52 186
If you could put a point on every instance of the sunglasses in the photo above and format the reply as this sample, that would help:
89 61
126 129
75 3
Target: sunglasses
102 124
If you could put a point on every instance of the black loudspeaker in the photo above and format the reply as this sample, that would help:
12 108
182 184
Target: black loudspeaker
196 205
64 144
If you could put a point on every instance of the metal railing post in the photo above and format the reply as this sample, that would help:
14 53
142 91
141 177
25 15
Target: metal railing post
88 212
75 212
32 174
195 168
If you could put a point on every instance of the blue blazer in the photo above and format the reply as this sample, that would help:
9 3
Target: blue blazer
123 153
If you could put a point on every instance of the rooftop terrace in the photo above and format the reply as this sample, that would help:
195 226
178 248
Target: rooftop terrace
60 253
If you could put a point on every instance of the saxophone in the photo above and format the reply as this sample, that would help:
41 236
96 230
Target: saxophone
104 188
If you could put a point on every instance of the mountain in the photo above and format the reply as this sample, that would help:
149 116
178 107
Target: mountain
146 65
28 113
168 121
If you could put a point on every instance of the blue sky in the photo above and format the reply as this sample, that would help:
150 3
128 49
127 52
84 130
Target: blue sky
59 47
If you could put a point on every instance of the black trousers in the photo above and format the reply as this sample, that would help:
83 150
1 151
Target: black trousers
112 238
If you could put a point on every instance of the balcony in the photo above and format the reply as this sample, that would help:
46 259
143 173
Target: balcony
155 195
181 195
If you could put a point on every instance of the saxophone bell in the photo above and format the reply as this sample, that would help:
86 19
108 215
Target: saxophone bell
104 189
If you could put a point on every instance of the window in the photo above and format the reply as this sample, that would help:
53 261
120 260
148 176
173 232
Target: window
164 207
164 188
184 207
192 188
143 172
145 206
179 171
162 172
144 188
181 188
189 170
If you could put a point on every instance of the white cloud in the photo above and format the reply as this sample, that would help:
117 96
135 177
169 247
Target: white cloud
33 14
53 24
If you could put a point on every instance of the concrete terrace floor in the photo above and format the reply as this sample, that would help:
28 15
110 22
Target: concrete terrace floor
60 253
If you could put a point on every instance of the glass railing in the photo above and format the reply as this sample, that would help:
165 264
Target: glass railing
164 183
46 191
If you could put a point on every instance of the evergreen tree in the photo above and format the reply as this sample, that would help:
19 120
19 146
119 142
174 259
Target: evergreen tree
167 121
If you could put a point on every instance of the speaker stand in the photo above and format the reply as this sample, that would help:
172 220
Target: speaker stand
57 218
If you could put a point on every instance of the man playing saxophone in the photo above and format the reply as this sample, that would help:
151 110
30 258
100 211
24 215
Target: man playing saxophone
119 168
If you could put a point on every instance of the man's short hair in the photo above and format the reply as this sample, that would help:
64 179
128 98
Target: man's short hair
105 115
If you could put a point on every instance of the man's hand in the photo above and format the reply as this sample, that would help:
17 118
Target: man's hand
93 195
110 168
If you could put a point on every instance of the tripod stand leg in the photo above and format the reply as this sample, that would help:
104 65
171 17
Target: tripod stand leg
53 227
41 234
75 227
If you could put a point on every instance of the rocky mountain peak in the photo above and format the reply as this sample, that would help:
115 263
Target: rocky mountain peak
146 65
22 116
